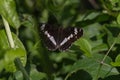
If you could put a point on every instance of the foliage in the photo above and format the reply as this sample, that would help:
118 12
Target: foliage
95 56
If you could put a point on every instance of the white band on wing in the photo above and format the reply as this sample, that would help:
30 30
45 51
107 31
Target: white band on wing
66 39
51 38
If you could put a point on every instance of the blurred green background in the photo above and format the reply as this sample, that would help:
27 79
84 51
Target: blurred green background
95 56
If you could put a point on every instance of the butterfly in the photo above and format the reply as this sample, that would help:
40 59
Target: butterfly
59 38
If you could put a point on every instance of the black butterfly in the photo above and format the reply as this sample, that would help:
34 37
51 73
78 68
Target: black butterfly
58 38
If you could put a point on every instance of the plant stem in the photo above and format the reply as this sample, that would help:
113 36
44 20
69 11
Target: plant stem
8 32
102 62
108 52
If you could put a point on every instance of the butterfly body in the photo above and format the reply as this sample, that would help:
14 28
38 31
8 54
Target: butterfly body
58 37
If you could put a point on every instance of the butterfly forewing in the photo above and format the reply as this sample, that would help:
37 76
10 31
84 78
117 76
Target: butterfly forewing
69 35
50 36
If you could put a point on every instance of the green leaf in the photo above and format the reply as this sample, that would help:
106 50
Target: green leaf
117 58
92 15
4 44
8 11
92 30
84 46
117 61
115 5
2 65
98 46
18 75
44 17
58 57
80 75
35 75
2 79
29 21
92 64
7 54
118 39
9 57
118 19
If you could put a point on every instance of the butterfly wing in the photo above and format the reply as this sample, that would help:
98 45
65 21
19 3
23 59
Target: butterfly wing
68 36
50 34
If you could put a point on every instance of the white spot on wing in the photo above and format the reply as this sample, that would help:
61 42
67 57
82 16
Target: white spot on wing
43 26
46 33
80 30
71 36
75 31
51 38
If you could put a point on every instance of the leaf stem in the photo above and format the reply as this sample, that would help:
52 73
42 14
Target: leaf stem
21 68
8 32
